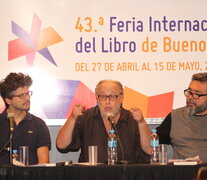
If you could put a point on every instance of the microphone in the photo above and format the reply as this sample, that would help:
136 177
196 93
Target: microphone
111 118
10 116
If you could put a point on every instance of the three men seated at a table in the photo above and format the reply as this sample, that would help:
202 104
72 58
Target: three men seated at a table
184 128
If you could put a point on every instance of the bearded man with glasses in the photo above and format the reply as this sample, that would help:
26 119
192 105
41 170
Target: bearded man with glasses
91 127
185 128
27 129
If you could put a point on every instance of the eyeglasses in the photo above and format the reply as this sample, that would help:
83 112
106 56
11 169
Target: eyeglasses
187 93
23 95
111 97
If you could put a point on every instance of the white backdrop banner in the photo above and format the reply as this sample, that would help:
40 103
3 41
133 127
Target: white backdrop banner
67 46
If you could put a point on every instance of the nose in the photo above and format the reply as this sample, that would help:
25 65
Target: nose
108 100
190 99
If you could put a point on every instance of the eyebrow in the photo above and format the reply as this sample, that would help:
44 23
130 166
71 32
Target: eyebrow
195 90
112 93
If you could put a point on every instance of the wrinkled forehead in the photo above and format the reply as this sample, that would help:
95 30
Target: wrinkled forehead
108 88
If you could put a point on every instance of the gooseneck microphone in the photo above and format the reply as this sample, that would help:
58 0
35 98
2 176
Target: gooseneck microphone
112 121
10 117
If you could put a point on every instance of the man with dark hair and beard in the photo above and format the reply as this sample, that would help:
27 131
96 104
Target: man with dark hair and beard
185 128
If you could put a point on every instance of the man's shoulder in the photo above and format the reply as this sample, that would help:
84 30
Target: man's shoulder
179 110
93 111
179 115
125 110
3 113
1 116
126 115
34 118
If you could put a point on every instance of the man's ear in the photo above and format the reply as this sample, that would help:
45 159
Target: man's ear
96 97
8 101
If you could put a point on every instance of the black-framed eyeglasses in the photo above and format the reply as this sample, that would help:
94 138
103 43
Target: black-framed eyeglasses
112 97
23 95
187 93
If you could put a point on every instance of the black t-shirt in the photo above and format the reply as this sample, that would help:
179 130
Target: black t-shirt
163 130
31 131
90 130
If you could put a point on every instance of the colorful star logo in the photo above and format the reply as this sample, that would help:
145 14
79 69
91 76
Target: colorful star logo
37 40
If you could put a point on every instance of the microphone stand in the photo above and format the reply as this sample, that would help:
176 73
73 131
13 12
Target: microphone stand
10 147
119 141
10 117
124 162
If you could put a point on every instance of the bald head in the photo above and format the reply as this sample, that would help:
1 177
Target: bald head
110 82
